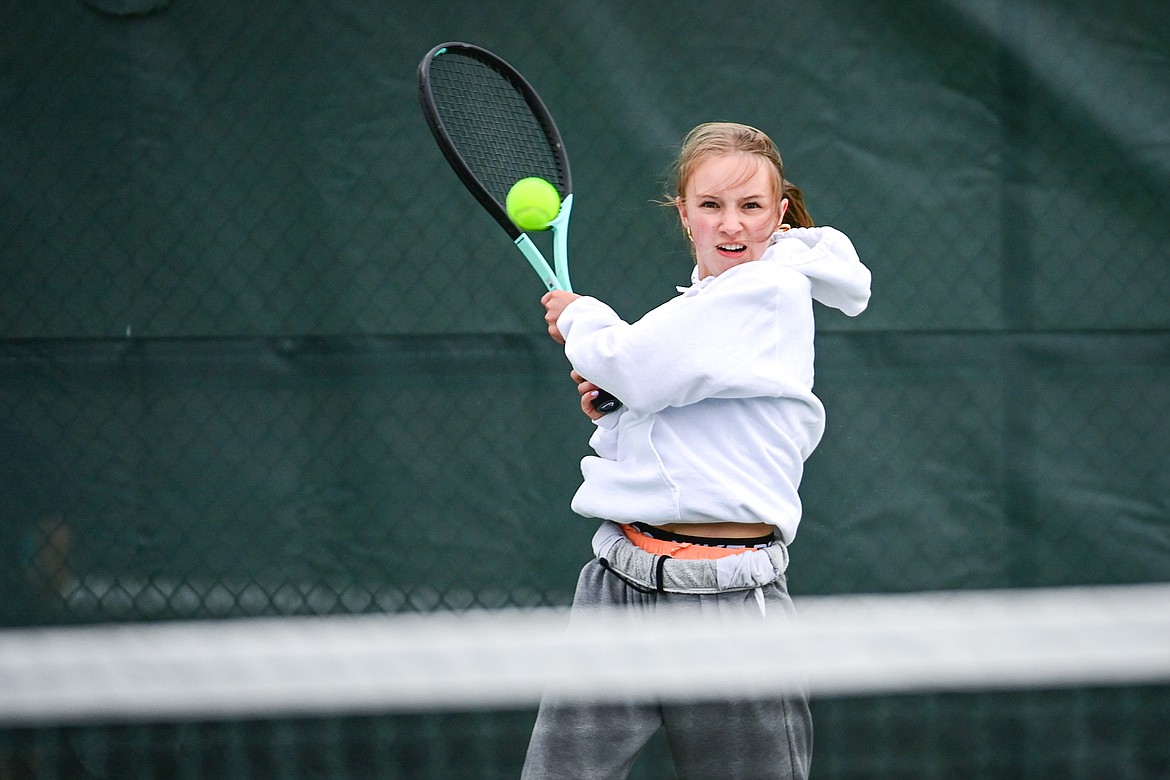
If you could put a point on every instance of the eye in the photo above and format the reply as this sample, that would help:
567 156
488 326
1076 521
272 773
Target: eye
708 204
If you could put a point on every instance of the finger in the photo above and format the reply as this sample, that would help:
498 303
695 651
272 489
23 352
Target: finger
587 405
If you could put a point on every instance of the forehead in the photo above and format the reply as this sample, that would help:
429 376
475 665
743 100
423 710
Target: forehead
739 173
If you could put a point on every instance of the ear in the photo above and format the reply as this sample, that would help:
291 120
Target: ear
682 215
783 209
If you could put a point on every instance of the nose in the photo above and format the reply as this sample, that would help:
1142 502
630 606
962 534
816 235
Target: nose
730 224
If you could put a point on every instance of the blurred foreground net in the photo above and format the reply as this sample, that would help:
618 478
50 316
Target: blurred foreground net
1068 682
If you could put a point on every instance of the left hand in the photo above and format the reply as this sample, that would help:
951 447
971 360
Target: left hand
554 303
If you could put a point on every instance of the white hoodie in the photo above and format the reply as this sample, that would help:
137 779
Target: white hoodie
718 412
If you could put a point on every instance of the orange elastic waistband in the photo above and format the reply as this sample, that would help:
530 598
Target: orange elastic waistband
681 550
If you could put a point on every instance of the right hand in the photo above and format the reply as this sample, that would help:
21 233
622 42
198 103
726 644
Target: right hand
588 392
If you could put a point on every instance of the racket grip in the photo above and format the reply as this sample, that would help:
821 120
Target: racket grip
605 402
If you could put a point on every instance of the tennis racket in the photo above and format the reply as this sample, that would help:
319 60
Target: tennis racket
494 130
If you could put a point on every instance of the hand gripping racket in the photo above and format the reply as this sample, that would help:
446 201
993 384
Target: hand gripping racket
494 130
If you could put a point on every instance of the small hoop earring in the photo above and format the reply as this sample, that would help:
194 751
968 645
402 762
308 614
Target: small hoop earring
689 236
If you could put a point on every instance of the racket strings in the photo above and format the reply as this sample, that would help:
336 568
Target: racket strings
491 125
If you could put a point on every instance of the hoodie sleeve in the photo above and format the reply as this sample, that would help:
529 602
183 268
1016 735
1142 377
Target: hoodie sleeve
738 337
604 440
826 256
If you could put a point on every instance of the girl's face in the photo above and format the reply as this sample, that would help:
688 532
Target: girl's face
730 210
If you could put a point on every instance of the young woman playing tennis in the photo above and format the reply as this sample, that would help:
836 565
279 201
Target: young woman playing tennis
695 477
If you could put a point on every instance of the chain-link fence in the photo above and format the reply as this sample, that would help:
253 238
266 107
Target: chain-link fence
261 354
281 362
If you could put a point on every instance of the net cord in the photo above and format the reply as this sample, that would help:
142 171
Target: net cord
837 646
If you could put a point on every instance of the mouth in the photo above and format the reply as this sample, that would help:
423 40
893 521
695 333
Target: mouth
731 249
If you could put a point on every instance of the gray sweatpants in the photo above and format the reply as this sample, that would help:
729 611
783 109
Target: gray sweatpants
751 739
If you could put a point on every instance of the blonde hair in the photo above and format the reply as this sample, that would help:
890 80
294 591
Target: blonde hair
718 138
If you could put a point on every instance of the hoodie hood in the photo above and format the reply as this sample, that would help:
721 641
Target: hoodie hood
828 259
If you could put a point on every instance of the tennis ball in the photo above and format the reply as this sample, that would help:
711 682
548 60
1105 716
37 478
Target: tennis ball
532 203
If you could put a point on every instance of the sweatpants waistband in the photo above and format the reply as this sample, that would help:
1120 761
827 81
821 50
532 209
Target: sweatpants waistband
677 546
751 568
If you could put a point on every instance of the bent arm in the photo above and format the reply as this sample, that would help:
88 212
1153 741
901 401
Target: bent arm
732 340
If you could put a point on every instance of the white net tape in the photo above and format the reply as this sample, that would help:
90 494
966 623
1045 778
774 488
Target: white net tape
953 641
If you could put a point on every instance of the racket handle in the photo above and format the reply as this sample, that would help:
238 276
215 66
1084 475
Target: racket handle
605 402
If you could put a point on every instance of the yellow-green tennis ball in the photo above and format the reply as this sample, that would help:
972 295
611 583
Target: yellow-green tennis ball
533 203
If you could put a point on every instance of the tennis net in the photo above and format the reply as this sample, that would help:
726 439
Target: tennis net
1071 682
